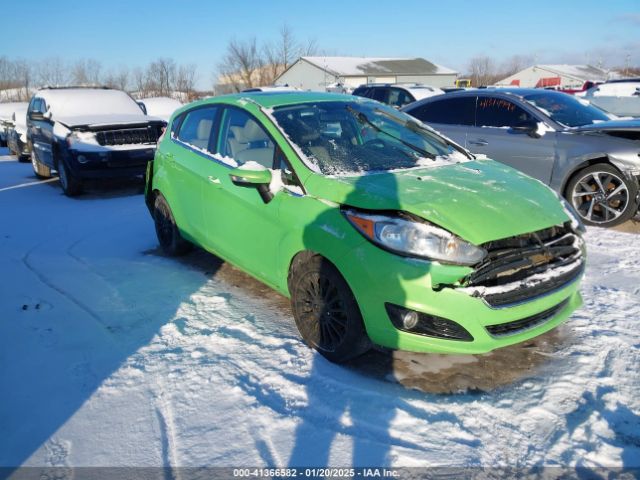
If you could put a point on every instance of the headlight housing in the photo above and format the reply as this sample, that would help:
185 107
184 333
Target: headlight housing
414 238
77 138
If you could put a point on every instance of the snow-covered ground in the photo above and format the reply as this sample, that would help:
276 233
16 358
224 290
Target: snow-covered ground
113 355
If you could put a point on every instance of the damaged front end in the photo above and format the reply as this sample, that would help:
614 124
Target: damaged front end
521 268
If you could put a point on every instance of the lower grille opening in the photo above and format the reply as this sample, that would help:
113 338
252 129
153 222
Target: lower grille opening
517 326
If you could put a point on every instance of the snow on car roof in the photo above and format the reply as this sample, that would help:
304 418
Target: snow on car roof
73 102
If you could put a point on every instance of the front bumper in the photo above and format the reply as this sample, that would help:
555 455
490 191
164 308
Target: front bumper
109 164
377 277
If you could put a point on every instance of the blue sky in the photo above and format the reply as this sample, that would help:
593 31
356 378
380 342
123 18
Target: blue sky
132 33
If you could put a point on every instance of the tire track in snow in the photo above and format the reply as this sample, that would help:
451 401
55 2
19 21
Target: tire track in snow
45 281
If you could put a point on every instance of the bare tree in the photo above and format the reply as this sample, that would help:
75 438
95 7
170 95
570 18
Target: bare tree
514 64
241 65
160 77
482 71
118 78
52 71
86 72
186 81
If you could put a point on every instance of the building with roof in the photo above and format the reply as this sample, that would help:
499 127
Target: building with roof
320 73
557 76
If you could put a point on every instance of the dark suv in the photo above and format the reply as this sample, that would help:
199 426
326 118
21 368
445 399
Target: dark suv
88 133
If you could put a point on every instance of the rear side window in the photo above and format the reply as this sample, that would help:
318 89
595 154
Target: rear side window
399 98
497 112
244 139
449 111
196 127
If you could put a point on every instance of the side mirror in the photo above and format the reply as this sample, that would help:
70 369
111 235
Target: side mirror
530 127
249 177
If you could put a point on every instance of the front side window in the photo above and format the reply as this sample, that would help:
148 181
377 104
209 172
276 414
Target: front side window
244 139
449 111
498 112
196 127
566 109
353 137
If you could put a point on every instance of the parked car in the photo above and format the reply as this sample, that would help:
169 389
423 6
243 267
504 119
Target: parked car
6 119
620 98
86 133
17 134
270 88
398 94
160 107
552 136
378 229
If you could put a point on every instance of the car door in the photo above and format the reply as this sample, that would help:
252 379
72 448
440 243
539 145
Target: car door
188 157
240 225
40 131
452 116
495 136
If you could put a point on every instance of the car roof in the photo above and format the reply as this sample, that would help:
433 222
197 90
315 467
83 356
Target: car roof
278 99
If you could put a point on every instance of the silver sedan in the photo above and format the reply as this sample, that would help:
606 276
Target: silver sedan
575 148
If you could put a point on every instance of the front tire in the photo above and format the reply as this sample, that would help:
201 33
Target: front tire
167 231
602 195
71 186
326 312
40 169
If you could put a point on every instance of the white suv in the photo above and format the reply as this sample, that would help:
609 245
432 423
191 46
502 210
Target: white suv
397 94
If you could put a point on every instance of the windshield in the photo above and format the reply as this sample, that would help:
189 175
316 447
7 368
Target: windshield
566 109
351 137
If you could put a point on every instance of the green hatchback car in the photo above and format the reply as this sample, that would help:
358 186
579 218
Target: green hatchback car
379 230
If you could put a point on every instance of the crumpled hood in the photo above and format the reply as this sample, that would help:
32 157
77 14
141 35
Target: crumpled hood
619 125
97 121
479 201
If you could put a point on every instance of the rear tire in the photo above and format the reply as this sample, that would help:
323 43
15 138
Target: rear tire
602 195
167 231
40 169
325 311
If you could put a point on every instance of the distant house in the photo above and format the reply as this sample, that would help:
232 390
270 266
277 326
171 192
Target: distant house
320 73
560 76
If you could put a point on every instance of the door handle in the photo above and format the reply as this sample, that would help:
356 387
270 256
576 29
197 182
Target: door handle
479 142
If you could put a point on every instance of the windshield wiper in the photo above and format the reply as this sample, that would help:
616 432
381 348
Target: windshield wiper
362 118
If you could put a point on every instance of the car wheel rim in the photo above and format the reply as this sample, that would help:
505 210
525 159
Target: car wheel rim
600 197
164 227
322 313
34 162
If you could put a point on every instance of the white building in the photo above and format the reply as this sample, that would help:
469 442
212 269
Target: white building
561 76
318 73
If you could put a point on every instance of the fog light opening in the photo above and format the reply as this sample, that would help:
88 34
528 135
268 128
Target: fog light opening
82 159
